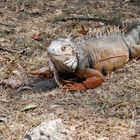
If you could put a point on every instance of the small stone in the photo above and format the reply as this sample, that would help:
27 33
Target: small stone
3 119
59 111
77 94
49 130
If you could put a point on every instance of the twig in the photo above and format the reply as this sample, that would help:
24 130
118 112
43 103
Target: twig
86 18
114 22
7 50
24 88
2 48
126 1
8 25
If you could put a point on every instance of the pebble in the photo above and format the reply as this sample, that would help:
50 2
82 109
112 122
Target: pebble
77 94
59 111
49 130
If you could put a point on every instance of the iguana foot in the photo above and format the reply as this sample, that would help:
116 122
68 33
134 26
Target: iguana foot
75 87
43 71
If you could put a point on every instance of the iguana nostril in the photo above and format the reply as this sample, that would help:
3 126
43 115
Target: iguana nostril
51 50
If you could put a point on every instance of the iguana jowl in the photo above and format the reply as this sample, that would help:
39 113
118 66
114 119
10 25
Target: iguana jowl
88 59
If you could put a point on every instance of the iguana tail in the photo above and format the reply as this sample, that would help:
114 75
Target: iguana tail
114 22
132 40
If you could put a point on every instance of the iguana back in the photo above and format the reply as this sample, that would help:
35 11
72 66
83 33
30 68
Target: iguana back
106 53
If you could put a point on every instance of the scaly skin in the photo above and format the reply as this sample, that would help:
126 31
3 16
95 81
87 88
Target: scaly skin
91 58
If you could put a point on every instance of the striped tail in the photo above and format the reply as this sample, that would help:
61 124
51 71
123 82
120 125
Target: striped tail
132 40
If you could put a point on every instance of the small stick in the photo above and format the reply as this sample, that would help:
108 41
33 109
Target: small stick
86 18
7 50
8 25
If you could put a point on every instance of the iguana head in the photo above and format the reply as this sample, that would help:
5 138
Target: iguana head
62 54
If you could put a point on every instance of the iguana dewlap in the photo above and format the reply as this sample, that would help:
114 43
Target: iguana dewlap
90 58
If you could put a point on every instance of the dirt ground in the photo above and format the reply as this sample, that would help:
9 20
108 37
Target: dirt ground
110 112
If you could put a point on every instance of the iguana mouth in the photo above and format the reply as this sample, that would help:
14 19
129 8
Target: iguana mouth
53 54
72 63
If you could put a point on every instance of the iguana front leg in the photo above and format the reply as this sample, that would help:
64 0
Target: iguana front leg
93 77
48 73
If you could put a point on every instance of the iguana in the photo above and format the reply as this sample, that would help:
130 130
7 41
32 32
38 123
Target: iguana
81 65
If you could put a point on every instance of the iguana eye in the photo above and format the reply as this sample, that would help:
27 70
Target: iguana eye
63 48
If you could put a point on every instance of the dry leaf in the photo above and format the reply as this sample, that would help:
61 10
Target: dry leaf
29 107
12 82
36 37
